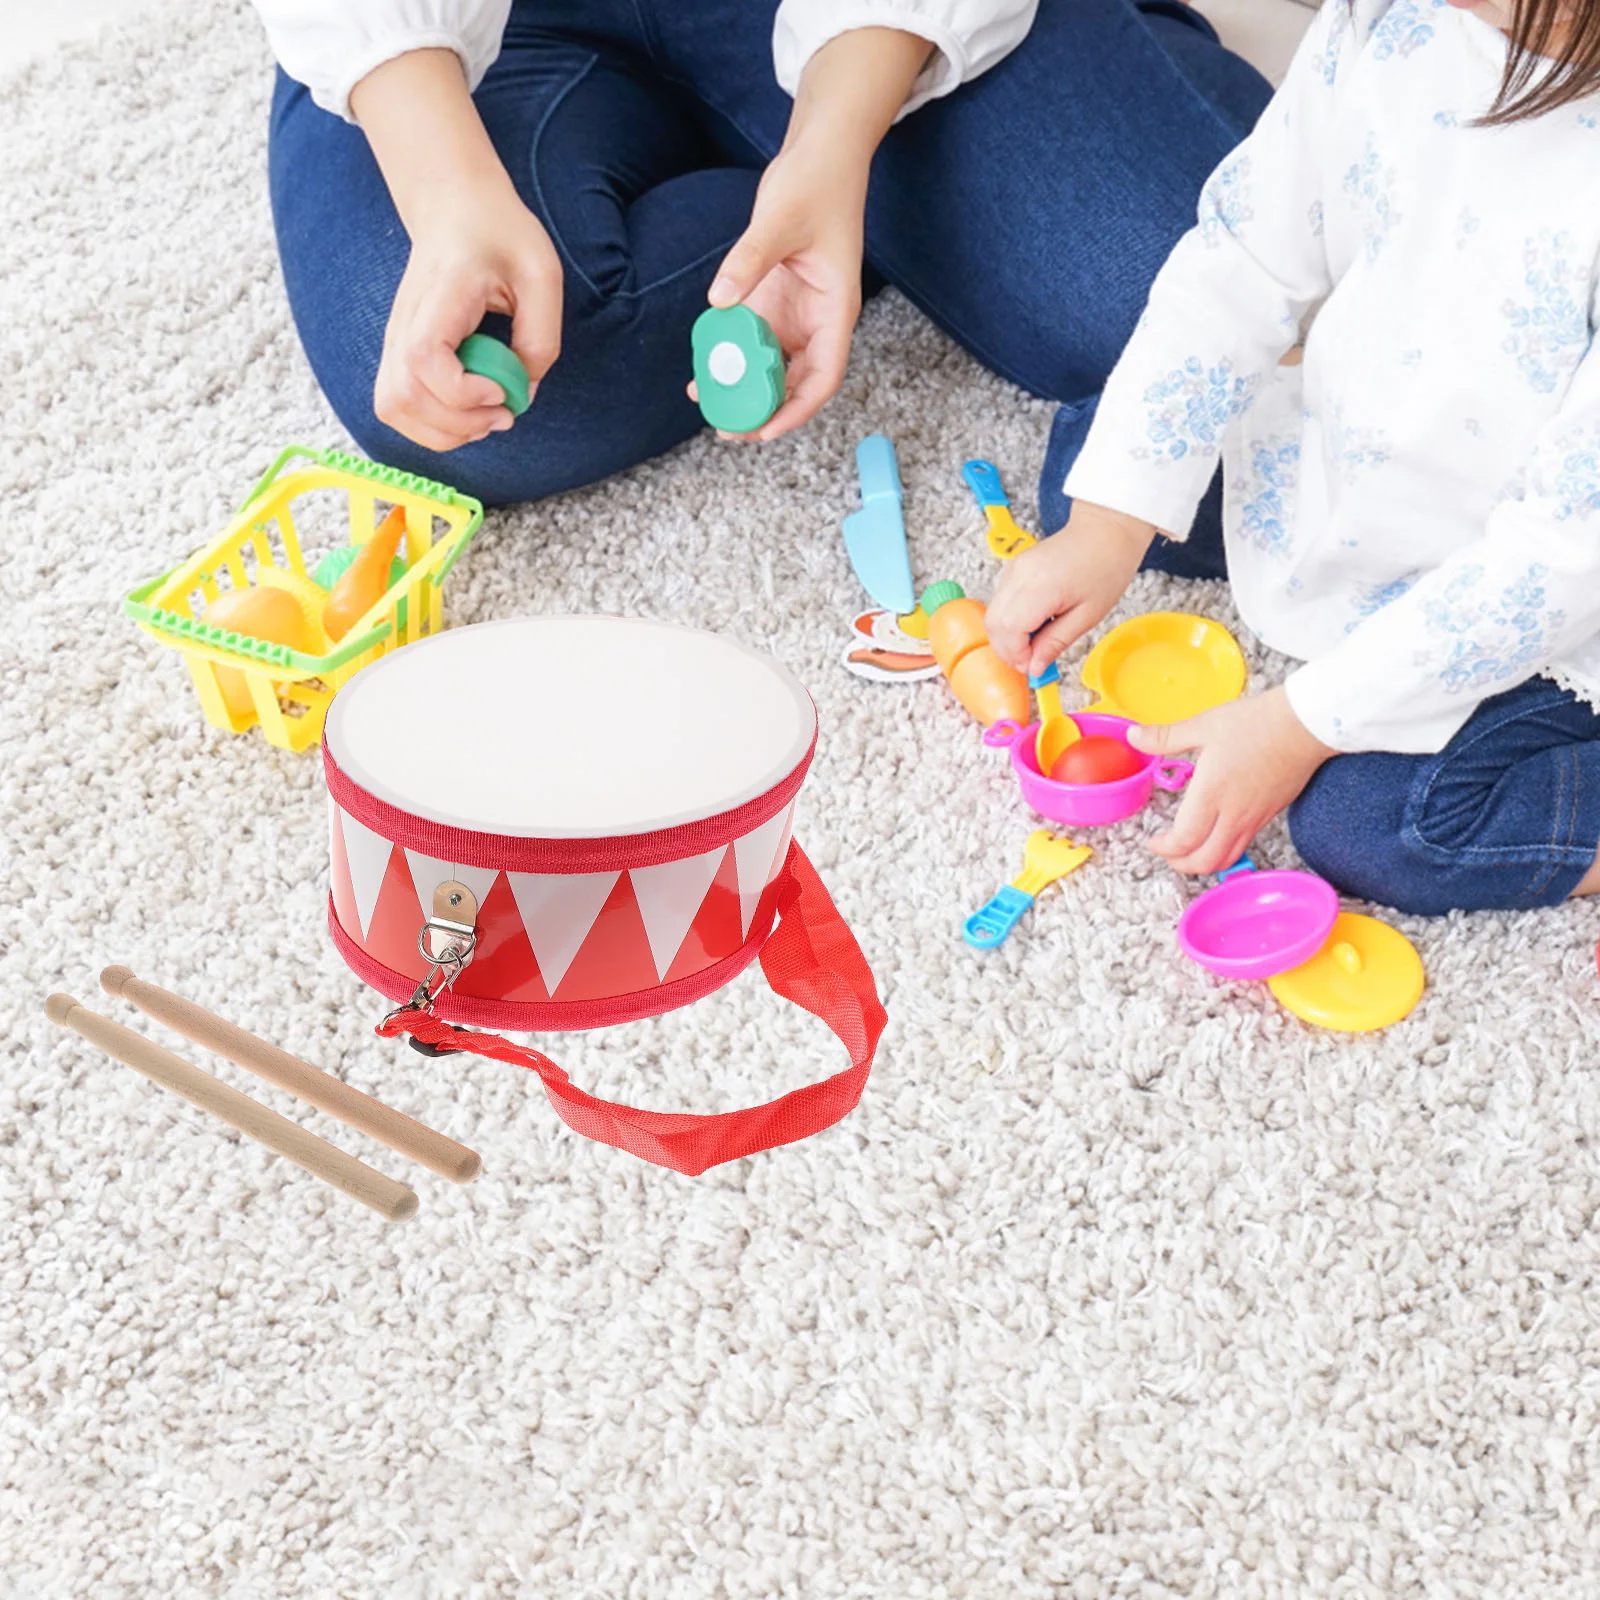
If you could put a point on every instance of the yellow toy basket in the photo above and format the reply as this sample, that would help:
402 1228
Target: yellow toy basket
290 689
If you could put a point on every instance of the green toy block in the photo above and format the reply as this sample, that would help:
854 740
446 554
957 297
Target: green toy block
738 368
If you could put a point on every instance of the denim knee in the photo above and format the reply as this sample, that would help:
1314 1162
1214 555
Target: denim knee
1348 826
1415 833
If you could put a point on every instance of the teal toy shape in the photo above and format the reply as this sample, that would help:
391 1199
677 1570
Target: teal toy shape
875 536
738 368
490 358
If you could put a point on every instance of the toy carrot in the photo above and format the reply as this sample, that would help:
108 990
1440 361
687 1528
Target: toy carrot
365 579
991 689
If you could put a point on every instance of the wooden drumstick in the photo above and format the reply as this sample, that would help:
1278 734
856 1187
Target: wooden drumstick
306 1082
321 1159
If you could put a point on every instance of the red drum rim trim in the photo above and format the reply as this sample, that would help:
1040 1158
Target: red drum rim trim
528 853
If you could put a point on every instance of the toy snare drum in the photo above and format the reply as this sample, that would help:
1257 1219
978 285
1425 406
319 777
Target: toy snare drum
556 823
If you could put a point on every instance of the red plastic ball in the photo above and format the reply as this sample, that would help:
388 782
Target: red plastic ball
1096 759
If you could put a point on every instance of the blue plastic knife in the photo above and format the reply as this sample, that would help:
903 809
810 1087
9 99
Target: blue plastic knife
875 536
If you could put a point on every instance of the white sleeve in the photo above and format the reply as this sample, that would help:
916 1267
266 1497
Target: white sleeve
1233 297
331 45
968 36
1496 612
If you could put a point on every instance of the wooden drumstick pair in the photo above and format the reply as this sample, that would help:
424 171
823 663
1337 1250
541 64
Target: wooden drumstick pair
393 1128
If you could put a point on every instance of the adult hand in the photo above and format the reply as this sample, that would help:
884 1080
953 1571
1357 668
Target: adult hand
1057 590
1255 757
478 253
474 248
798 265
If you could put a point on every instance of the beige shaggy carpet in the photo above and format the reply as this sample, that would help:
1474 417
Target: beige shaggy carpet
1120 1282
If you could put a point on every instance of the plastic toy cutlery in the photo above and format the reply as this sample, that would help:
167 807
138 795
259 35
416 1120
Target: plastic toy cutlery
1006 539
1056 730
1045 857
875 536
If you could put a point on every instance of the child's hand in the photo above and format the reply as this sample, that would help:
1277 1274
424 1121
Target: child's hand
475 253
1255 757
1055 592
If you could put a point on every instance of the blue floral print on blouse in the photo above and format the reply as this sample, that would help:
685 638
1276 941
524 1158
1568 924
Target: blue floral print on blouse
1373 597
1191 407
1520 618
1405 28
1274 468
1225 204
1575 486
1550 330
1354 450
1371 188
1333 46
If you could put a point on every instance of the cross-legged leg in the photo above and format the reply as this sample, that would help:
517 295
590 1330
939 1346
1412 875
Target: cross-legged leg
1506 816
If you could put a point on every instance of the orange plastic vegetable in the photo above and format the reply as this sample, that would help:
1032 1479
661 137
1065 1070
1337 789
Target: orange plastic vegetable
955 630
259 613
1096 760
365 579
987 686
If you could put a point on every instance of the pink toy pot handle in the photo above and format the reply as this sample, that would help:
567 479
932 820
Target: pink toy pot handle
1171 774
1002 734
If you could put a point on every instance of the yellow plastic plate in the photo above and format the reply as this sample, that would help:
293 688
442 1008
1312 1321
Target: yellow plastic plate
1366 976
1163 667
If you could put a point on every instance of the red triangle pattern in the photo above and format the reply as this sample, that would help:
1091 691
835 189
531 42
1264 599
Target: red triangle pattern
715 933
397 919
769 897
615 958
503 966
344 891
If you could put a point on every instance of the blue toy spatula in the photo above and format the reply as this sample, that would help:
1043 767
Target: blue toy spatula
875 536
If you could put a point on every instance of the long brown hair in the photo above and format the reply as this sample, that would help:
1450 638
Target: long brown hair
1554 59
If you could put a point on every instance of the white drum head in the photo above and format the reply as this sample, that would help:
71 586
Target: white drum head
570 727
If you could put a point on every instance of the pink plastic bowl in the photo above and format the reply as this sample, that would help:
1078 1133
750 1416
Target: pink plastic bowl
1258 924
1086 804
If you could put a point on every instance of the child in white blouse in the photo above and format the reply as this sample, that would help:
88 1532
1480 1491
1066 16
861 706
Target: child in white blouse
1413 508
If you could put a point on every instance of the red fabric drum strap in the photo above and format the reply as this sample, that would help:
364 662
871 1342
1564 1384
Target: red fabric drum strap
811 958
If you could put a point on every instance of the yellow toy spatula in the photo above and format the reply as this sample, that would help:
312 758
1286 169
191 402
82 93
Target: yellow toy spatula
1046 857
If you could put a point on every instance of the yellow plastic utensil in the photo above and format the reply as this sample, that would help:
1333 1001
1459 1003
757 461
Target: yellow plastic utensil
1163 667
1056 730
1046 857
1005 538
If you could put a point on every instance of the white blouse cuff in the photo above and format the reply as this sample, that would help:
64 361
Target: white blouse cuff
1166 500
802 28
334 94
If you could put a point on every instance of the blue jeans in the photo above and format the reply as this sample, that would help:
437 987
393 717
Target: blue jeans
1026 214
1506 816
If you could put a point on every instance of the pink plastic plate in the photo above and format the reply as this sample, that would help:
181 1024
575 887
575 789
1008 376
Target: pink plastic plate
1258 924
1086 804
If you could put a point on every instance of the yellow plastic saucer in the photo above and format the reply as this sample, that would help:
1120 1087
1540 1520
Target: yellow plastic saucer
1163 667
1366 976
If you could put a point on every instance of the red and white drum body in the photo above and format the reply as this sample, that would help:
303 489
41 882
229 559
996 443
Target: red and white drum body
616 794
